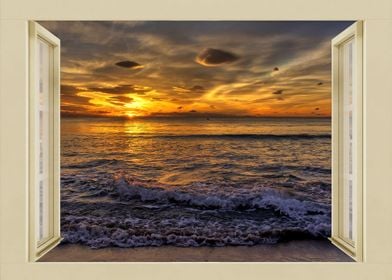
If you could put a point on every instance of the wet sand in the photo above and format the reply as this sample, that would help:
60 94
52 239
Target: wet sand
294 251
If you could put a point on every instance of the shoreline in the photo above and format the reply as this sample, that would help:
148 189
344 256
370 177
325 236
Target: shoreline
292 251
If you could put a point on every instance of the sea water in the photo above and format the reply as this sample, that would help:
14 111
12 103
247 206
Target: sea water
194 181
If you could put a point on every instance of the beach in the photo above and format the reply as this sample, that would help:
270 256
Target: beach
293 251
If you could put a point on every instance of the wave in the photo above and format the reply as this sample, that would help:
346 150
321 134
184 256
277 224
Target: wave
143 213
92 163
208 196
241 136
99 232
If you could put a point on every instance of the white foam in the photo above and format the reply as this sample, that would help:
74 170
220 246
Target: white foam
294 217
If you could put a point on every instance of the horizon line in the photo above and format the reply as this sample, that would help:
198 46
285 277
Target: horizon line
187 117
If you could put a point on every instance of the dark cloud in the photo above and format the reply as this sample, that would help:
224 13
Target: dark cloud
75 100
120 100
69 96
192 111
77 111
198 88
215 57
280 91
72 108
120 89
129 64
86 114
179 107
189 115
276 68
317 109
68 90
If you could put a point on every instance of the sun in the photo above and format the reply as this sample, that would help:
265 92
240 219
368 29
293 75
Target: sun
130 115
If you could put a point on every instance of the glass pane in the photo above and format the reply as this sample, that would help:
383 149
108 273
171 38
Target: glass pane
348 142
43 141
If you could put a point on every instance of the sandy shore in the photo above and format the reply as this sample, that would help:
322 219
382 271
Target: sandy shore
294 251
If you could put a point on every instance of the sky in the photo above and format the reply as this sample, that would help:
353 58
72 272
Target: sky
195 68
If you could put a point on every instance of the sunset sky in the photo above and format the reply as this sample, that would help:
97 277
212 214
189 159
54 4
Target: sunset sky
172 68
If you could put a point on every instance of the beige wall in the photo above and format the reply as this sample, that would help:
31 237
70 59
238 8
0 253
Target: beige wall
377 15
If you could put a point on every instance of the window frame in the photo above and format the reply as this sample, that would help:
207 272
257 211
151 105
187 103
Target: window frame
39 248
353 249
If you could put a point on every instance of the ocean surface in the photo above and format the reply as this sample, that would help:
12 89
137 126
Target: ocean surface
195 182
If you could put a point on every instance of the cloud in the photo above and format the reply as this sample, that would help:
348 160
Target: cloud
276 68
69 97
68 90
182 114
121 89
74 100
215 57
129 64
280 91
196 89
181 89
120 100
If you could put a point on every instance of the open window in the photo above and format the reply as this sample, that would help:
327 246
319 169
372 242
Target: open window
347 141
45 137
44 141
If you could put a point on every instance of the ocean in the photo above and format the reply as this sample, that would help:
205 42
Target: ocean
195 181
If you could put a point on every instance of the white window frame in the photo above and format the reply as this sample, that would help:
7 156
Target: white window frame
38 249
354 247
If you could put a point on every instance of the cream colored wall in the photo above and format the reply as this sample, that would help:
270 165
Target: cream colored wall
378 141
196 9
377 118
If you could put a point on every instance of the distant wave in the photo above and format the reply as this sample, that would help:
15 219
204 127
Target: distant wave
243 136
263 168
92 163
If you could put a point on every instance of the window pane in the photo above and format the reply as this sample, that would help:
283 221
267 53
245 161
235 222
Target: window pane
43 141
348 141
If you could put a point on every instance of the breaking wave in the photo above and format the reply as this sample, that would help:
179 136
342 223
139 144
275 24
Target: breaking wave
195 215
